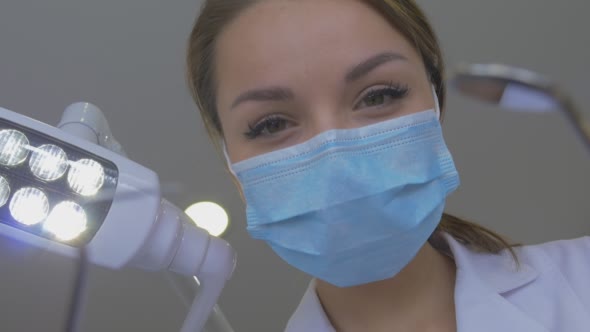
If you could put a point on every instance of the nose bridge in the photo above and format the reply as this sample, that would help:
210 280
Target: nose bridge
327 117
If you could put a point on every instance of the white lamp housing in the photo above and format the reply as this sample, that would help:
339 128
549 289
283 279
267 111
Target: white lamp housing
140 228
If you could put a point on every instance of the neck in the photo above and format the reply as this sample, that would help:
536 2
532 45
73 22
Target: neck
418 298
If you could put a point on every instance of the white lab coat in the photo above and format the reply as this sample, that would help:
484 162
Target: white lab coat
550 291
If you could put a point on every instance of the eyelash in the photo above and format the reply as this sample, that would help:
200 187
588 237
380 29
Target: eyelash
255 130
393 90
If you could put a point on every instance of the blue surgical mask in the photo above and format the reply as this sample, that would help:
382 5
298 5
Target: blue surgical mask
351 206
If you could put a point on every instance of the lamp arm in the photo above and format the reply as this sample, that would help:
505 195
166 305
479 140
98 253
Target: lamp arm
87 121
574 116
176 243
186 289
213 271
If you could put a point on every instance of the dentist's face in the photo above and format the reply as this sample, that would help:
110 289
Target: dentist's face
289 70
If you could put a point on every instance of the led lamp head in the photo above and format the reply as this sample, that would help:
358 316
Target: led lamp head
60 192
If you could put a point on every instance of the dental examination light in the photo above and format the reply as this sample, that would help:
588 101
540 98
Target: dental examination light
72 188
520 90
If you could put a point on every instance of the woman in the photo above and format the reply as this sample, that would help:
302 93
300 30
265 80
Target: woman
328 113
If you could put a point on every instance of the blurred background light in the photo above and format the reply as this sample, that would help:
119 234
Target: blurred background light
209 216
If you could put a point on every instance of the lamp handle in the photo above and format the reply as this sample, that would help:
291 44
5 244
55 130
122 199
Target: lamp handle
215 271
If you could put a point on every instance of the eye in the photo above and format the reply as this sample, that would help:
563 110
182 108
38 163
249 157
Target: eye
382 96
267 126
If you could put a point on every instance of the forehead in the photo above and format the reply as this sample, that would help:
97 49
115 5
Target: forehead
278 39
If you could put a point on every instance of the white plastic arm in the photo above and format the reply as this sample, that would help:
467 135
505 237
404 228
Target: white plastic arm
215 270
87 121
186 289
179 246
217 322
175 243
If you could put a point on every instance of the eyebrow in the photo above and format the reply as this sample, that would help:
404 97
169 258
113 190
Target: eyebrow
278 93
267 94
371 63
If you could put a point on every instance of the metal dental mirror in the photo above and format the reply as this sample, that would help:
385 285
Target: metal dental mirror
519 90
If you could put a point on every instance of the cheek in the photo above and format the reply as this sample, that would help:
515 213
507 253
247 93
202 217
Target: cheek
232 148
237 149
234 153
424 98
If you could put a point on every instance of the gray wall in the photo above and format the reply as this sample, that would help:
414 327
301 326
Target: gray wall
523 175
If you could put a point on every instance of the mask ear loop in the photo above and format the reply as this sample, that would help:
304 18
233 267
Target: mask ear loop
227 160
436 103
228 164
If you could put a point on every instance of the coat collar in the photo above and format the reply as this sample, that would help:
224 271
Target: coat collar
482 279
500 273
481 283
310 315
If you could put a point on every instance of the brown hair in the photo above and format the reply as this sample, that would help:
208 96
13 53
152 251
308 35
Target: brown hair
404 15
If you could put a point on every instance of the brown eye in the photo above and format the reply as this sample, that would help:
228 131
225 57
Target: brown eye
374 99
268 126
382 96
